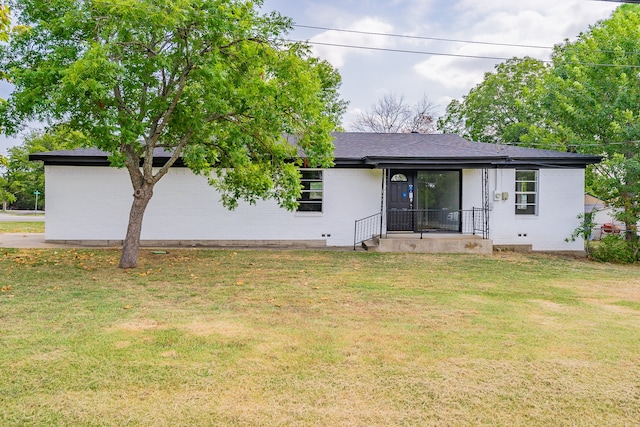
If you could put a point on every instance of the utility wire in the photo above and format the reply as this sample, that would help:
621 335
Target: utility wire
417 52
455 55
402 36
370 33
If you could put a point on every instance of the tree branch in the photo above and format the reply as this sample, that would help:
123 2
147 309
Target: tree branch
144 46
174 157
237 42
117 93
132 163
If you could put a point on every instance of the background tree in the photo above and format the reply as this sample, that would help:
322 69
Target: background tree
392 115
505 108
24 177
5 196
595 92
211 81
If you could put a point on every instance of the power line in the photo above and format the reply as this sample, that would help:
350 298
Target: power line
455 55
370 33
403 36
416 52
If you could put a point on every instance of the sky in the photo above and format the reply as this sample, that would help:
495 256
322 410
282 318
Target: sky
368 75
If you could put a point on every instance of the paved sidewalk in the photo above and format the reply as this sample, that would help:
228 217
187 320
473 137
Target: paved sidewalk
27 241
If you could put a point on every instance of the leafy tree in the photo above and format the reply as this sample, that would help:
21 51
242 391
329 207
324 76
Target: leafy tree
505 108
5 22
392 115
211 81
594 91
5 196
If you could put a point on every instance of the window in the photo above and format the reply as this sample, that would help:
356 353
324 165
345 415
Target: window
311 198
399 177
526 192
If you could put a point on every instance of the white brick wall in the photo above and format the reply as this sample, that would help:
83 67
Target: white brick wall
92 203
561 199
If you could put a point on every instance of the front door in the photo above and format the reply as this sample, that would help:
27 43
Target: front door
400 202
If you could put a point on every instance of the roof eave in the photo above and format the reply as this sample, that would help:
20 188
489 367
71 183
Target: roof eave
405 162
94 160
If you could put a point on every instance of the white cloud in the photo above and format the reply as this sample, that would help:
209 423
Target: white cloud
451 73
524 22
338 55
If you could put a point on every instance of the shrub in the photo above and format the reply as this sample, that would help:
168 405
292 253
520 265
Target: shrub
614 248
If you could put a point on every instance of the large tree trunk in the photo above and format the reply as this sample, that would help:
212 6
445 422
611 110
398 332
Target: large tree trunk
131 246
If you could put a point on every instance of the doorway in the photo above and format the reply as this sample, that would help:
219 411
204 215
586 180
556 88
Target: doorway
400 201
424 201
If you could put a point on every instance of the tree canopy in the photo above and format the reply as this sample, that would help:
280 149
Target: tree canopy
211 81
594 92
504 108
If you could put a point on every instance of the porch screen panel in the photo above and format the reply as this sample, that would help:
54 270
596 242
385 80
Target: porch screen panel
438 200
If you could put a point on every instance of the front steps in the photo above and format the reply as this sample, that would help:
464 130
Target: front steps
430 243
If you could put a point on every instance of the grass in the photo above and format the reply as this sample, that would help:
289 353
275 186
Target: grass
267 338
21 227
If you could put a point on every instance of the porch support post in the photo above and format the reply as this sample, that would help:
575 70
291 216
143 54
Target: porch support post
485 207
382 191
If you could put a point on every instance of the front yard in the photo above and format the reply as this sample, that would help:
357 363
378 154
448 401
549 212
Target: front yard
307 338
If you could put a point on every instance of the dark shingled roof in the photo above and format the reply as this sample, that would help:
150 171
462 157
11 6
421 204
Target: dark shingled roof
389 150
436 150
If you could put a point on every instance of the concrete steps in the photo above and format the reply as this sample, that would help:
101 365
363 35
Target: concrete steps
440 243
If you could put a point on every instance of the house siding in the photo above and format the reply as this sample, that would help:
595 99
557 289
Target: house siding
92 204
560 201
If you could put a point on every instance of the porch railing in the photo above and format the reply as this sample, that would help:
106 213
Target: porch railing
481 222
367 228
471 221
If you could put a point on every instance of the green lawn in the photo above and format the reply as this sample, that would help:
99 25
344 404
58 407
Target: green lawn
307 338
21 227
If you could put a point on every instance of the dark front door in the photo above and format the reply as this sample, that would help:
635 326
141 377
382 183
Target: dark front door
400 202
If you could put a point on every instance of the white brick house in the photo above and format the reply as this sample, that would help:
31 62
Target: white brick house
404 183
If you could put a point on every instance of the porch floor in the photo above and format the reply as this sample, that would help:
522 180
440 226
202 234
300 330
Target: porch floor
429 243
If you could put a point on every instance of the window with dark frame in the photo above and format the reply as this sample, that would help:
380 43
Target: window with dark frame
312 191
526 192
